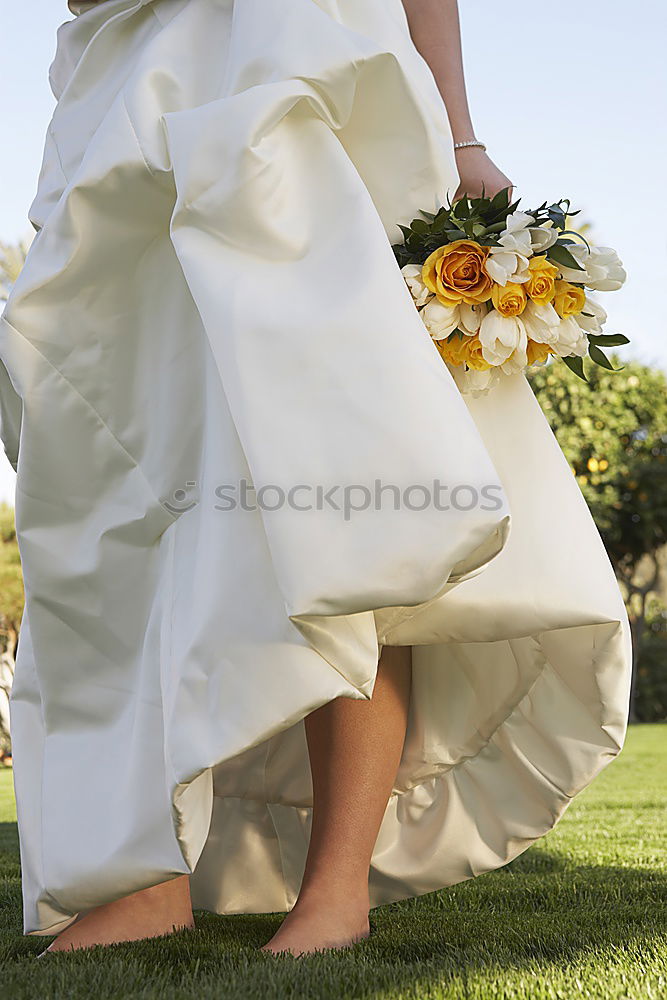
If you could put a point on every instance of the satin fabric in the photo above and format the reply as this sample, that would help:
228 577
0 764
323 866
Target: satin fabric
211 296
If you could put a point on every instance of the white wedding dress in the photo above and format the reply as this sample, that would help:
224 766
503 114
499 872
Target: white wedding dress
212 297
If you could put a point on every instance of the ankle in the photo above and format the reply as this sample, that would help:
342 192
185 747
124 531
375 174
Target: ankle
334 896
158 906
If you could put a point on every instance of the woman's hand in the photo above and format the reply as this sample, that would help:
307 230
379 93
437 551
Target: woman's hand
476 169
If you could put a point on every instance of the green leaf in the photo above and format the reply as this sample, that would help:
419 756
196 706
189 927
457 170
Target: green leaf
576 365
497 227
419 226
608 339
557 216
438 224
500 200
462 208
562 255
600 358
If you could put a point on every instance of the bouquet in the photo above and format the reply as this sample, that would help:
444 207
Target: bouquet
501 290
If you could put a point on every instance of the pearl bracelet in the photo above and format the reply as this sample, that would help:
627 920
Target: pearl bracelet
469 142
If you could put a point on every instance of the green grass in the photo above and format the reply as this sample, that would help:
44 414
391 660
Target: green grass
583 914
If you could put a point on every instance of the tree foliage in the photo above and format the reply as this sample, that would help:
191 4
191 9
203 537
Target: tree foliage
11 611
613 431
11 581
12 259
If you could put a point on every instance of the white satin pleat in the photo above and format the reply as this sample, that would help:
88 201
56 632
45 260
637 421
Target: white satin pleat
212 297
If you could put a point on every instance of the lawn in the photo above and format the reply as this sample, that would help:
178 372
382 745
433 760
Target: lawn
583 914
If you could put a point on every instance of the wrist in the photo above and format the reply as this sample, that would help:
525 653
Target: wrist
462 131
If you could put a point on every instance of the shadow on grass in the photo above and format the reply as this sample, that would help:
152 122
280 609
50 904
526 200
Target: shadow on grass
542 912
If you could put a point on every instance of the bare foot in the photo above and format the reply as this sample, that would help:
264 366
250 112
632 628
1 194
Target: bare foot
312 925
153 912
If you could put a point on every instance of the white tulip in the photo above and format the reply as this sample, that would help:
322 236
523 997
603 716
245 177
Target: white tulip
581 255
593 322
413 279
509 261
518 221
516 364
518 360
502 336
605 270
519 242
440 320
505 265
542 237
541 322
571 339
470 316
516 234
478 383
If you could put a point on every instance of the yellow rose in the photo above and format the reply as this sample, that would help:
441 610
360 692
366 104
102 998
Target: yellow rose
536 352
509 299
456 273
569 299
453 350
541 286
464 350
474 357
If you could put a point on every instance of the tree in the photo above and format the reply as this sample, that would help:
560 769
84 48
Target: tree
12 258
613 431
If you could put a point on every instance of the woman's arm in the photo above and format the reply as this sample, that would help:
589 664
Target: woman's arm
436 33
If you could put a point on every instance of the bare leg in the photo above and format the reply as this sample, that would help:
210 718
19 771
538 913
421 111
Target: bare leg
152 912
355 748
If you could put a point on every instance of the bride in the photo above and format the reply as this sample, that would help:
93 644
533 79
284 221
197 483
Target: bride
275 709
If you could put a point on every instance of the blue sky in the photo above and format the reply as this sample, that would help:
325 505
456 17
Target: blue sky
571 100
